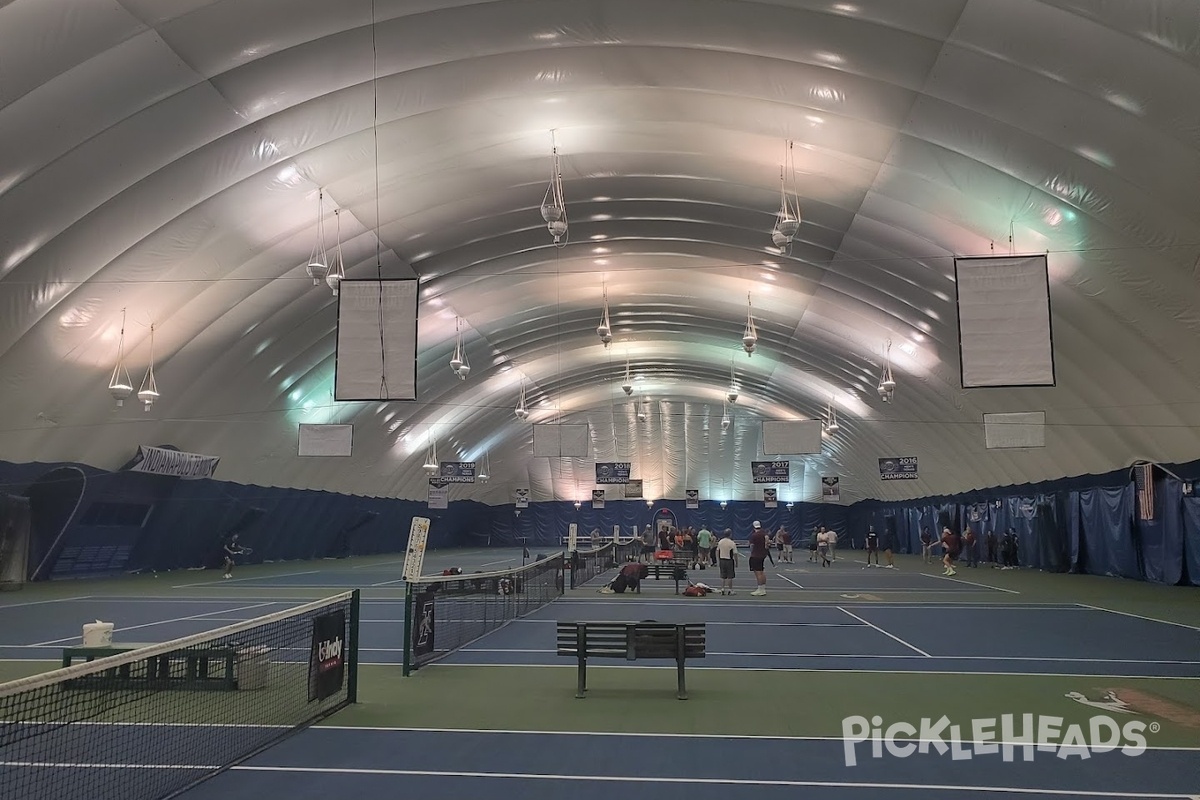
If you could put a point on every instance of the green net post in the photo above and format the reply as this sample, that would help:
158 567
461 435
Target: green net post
352 656
408 617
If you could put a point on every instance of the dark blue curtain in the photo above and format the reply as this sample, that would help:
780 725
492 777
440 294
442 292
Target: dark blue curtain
1191 538
1106 536
1161 538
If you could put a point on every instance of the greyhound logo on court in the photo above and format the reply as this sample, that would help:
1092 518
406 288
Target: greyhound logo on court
1110 702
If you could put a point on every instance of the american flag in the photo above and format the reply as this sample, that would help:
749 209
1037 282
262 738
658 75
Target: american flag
1143 479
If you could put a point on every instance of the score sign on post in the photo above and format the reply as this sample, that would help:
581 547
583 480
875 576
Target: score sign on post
414 558
572 537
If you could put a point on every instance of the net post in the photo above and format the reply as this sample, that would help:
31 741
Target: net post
352 660
408 616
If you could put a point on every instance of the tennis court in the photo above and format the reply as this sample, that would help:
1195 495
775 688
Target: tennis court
767 703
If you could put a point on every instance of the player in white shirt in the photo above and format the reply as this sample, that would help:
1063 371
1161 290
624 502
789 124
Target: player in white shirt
727 552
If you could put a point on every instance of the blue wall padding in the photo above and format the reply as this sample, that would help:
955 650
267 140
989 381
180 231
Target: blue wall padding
1084 524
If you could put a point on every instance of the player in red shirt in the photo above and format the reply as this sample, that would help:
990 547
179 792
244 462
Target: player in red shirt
758 558
952 545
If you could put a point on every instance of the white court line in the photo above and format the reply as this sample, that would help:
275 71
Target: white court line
885 633
494 563
1138 616
881 656
151 624
223 582
789 580
574 778
750 603
379 564
837 670
388 583
41 602
967 583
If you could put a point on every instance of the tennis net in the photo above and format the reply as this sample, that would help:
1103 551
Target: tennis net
587 564
445 613
151 722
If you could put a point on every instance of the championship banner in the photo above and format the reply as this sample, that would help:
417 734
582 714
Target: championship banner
423 625
831 489
522 498
692 497
439 495
771 471
633 489
770 498
898 469
612 472
457 471
414 556
164 461
326 661
597 498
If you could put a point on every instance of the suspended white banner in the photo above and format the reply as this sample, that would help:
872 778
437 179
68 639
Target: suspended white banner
692 498
163 461
521 498
771 498
439 495
831 489
597 498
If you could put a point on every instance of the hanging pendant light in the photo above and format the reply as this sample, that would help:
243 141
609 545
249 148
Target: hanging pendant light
318 260
149 391
522 410
831 422
787 219
725 420
119 385
578 505
732 395
458 362
554 207
750 335
485 474
431 465
337 272
627 386
641 411
604 331
887 384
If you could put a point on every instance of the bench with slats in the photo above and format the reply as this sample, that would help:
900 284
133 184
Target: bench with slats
631 641
673 569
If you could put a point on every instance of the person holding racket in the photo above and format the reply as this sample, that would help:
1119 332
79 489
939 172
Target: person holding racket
951 545
232 548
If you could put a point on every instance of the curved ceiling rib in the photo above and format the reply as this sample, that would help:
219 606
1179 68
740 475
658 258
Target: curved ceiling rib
165 158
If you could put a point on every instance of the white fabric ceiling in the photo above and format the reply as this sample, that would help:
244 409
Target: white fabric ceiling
164 156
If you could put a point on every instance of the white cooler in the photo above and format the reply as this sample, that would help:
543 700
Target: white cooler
98 634
253 665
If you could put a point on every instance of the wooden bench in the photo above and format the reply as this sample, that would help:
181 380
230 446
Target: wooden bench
205 668
631 641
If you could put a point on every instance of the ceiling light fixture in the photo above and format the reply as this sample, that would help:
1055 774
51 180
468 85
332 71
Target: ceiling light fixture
485 474
431 466
605 329
887 384
318 261
732 395
149 391
522 410
554 207
725 420
337 270
578 505
831 422
787 219
119 385
627 386
642 409
458 361
750 335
